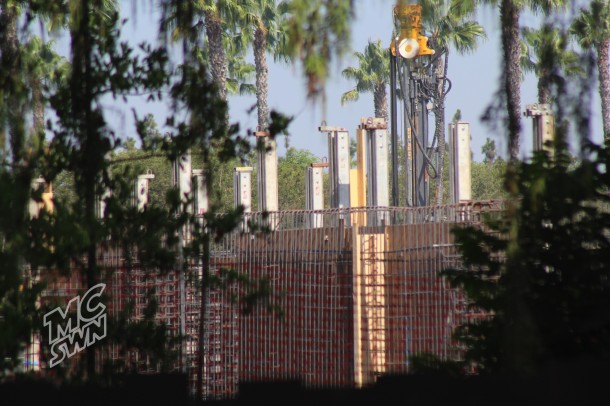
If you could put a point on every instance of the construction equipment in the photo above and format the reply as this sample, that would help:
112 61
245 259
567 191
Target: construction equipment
412 83
410 43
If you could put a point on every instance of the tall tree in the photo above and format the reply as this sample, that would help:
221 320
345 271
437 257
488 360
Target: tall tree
264 24
510 12
10 69
240 71
317 31
371 76
489 151
549 298
592 29
43 66
15 176
220 17
545 53
448 25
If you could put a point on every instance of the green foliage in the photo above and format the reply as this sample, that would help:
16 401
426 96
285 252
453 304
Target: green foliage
372 74
317 31
547 287
449 25
488 180
83 158
592 26
545 52
291 178
489 151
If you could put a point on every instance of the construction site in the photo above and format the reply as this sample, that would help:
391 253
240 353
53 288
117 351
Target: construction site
354 289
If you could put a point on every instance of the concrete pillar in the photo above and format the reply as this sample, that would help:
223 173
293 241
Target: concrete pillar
460 188
181 178
242 183
201 202
242 192
100 208
314 193
267 172
544 125
141 190
34 206
339 166
377 187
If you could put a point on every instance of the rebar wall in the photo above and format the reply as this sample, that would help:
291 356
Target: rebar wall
356 302
351 302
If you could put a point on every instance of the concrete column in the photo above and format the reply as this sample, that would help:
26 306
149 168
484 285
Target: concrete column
377 187
242 183
34 206
314 193
181 178
544 125
460 188
141 190
339 166
267 172
201 202
101 203
377 161
242 192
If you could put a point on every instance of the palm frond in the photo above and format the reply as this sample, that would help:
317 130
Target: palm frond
350 96
247 89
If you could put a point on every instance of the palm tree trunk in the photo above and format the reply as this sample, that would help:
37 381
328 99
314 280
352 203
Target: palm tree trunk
441 74
604 84
511 46
9 47
218 58
380 99
37 105
262 86
520 337
544 88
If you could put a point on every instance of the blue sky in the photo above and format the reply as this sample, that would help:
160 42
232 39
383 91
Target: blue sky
475 81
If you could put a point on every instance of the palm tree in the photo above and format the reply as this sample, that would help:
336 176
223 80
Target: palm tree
239 71
489 151
448 27
43 66
592 29
10 70
264 29
510 11
263 25
544 52
371 75
220 17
